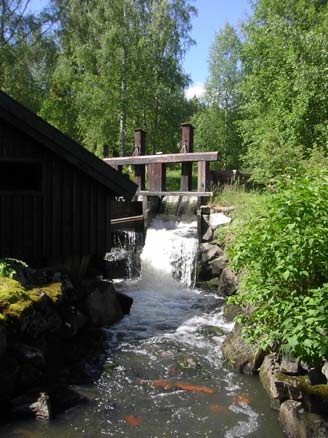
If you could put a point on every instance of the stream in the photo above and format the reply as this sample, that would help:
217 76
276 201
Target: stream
164 375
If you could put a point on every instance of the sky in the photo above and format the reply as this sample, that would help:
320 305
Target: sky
212 16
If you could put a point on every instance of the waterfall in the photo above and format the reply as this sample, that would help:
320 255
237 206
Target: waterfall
169 254
124 258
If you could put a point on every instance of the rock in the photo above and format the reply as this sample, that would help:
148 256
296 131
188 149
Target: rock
208 235
29 355
230 311
324 369
279 387
208 251
102 305
212 330
125 302
72 321
290 365
217 265
297 423
3 340
35 405
228 283
217 219
243 357
315 398
39 318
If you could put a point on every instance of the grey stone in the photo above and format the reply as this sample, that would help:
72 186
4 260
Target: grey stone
242 356
290 365
297 423
217 265
102 305
208 235
209 251
228 283
279 386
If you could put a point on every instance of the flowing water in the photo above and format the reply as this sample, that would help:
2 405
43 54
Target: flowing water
164 375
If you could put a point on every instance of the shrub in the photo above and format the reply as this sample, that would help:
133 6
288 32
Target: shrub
284 257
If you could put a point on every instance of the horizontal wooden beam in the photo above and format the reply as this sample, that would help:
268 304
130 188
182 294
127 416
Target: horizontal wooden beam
160 193
125 220
163 158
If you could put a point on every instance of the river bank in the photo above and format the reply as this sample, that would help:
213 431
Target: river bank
296 390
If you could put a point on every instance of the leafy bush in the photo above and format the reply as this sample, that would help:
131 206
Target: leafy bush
284 257
8 267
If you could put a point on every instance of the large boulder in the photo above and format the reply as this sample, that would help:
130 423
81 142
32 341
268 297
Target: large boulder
39 318
102 305
228 283
297 423
242 356
279 386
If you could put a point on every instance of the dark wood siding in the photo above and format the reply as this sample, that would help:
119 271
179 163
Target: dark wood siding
69 216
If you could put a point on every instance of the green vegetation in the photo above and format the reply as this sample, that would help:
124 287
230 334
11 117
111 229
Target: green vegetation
246 204
14 297
283 254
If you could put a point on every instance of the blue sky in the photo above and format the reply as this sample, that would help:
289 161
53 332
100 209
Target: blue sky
212 16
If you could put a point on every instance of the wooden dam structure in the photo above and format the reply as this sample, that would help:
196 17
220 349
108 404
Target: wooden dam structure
155 166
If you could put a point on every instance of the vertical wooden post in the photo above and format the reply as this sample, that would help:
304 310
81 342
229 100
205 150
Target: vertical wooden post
139 149
105 151
203 173
157 177
187 141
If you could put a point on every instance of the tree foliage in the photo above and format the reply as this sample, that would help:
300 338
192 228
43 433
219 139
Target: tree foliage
284 90
120 68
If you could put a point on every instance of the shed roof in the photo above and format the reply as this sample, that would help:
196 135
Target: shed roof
59 143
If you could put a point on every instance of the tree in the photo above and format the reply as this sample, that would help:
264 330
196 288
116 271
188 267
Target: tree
119 68
26 52
285 59
216 124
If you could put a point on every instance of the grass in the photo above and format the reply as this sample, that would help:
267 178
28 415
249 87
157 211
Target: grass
246 204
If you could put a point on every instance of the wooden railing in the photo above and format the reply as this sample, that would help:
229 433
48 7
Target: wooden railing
157 166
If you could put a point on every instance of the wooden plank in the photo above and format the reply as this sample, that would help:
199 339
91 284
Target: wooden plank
203 176
157 176
126 209
163 158
164 193
122 220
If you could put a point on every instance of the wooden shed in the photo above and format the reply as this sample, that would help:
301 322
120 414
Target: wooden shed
55 196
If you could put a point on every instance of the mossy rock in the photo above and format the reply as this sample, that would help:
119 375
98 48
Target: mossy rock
212 330
315 397
15 299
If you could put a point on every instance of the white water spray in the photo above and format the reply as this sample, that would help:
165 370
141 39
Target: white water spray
169 254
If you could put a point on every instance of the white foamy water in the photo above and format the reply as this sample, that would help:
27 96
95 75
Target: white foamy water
169 254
